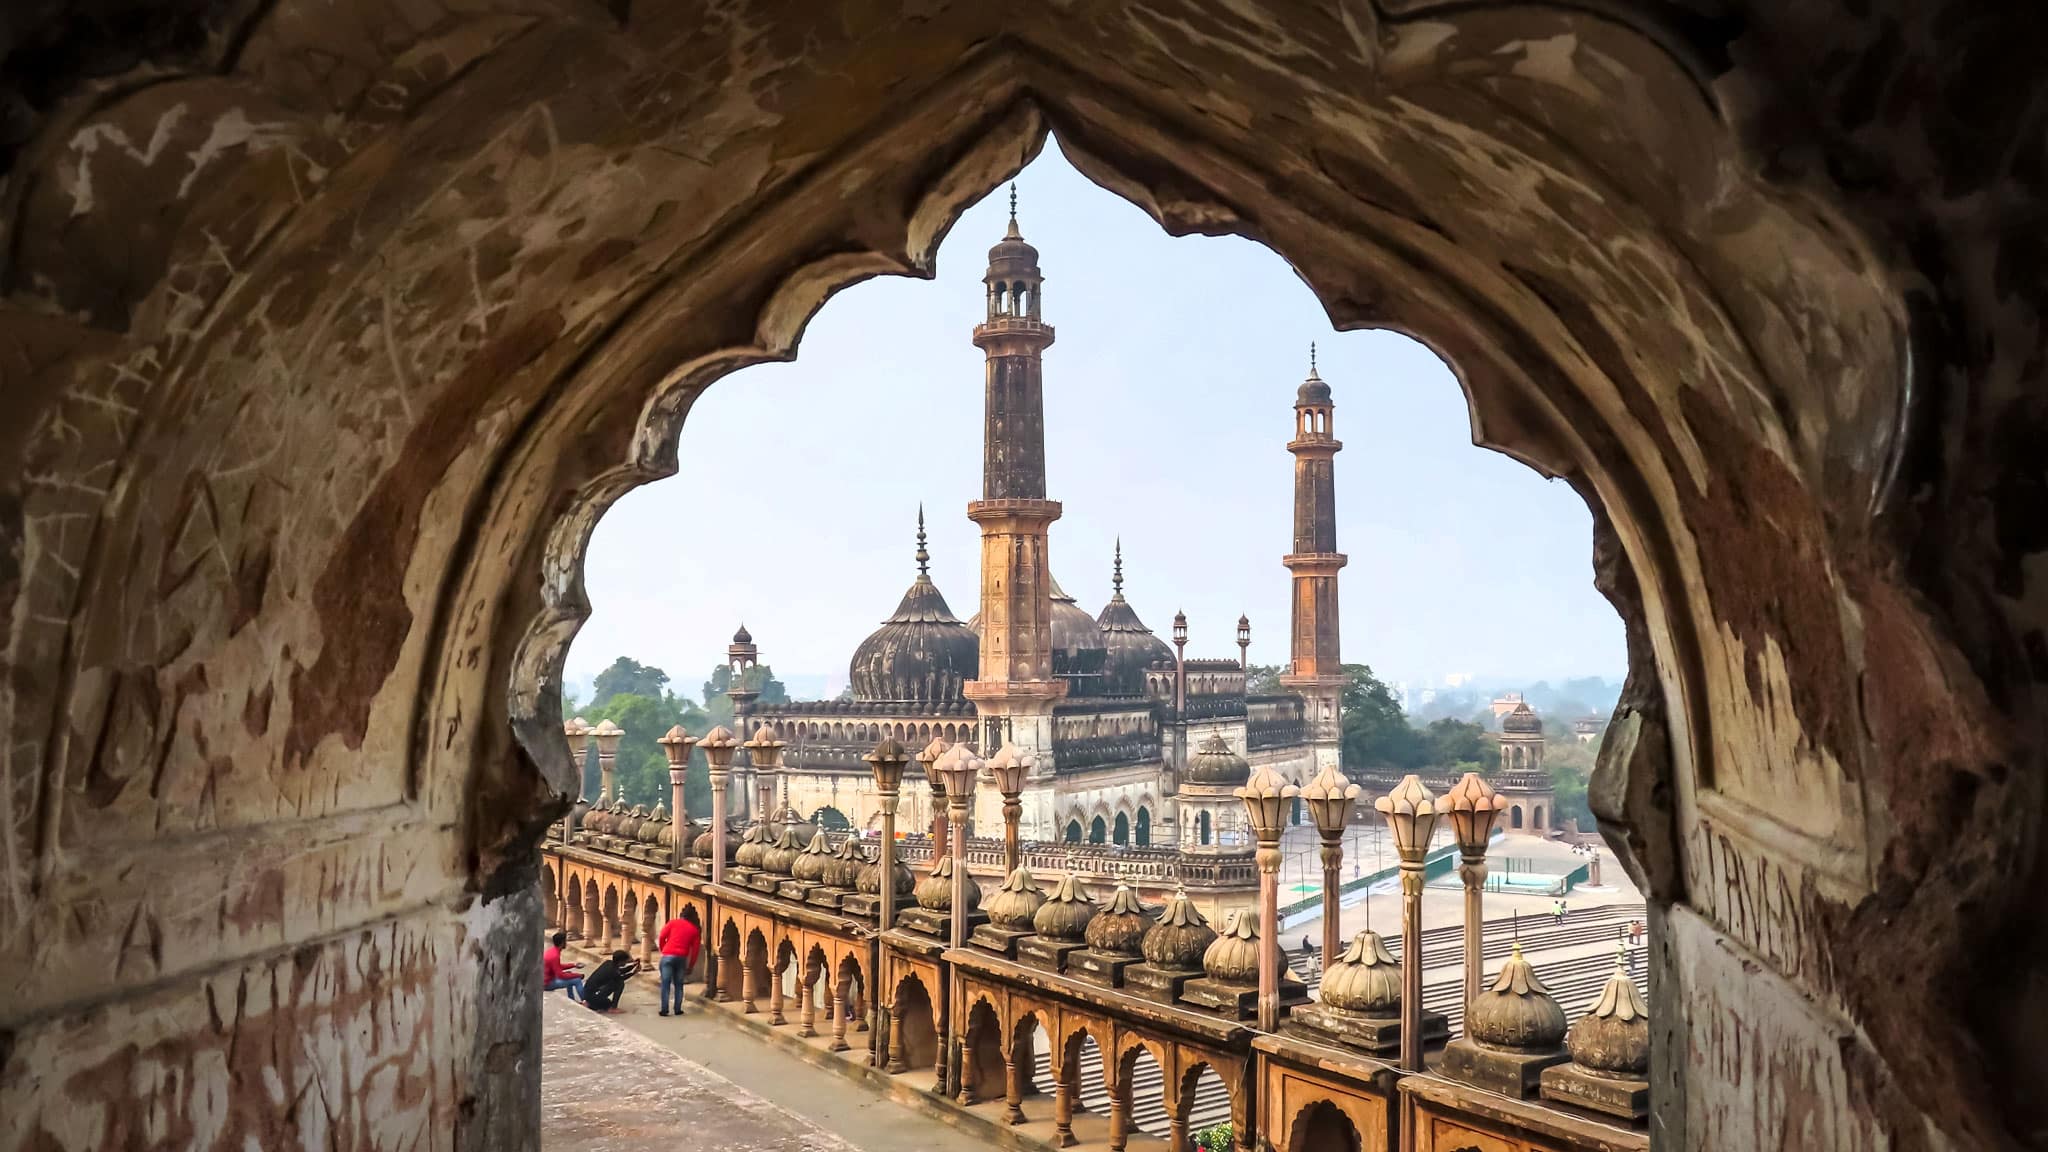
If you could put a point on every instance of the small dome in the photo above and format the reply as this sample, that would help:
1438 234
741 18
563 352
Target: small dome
781 855
595 820
578 813
753 842
1011 256
1517 1012
870 878
628 826
921 654
1614 1038
935 891
1120 927
1078 650
651 828
1215 763
703 842
743 636
1066 913
1522 720
1129 647
1312 393
812 863
843 870
1016 902
1234 955
1179 937
1366 978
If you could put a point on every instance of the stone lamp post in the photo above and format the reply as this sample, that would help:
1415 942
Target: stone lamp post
1330 799
886 762
1265 797
1180 663
1411 814
1009 767
927 760
608 735
578 735
764 754
957 771
1473 806
718 745
675 745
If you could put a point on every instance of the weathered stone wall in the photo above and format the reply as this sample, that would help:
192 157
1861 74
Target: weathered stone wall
330 329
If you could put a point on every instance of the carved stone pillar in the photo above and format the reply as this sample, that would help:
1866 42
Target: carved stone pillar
1062 1105
808 989
775 1016
1014 1072
839 1017
1119 1117
1177 1132
899 1061
748 979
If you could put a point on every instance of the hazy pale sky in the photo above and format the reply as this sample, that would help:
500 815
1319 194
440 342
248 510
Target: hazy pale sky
1168 406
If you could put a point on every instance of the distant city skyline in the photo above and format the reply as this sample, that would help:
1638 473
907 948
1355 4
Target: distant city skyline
1168 406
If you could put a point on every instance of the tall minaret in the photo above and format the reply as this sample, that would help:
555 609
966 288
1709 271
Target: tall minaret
1017 689
1316 671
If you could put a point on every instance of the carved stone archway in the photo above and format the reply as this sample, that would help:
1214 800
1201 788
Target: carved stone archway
329 334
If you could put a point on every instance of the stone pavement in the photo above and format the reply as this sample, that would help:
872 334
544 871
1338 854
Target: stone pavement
621 1083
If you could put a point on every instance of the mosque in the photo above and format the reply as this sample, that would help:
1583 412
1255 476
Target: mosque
1132 743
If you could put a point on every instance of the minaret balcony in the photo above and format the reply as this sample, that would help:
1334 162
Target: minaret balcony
1317 444
1013 329
1314 563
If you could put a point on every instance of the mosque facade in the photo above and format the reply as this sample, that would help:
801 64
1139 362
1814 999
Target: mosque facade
1122 728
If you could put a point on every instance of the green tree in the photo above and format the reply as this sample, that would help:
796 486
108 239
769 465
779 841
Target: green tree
1263 680
1570 765
627 677
1376 733
761 678
1459 745
642 766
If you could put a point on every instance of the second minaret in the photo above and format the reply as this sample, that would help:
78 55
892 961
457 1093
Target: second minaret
1017 689
1316 670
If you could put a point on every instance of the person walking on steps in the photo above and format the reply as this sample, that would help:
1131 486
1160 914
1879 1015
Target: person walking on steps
680 938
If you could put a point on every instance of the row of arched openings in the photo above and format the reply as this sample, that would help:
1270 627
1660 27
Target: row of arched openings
1123 831
914 736
601 918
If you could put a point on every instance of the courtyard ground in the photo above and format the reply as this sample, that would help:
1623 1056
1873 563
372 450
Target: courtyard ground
632 1081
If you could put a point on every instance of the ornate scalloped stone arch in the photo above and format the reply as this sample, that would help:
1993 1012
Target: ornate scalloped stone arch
330 339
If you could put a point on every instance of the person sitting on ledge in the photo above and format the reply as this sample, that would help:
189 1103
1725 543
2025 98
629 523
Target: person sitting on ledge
555 974
602 990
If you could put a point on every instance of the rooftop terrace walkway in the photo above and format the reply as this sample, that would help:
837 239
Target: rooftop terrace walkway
621 1083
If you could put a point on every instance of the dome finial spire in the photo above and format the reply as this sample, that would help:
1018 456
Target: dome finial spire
1312 360
1116 579
1013 234
924 558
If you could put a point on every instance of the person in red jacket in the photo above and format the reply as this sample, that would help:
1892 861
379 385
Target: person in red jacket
555 974
680 938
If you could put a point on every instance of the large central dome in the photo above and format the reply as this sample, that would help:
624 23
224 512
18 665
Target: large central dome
921 654
1130 646
1078 653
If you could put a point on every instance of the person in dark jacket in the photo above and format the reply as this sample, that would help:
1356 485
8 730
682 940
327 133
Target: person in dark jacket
601 990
